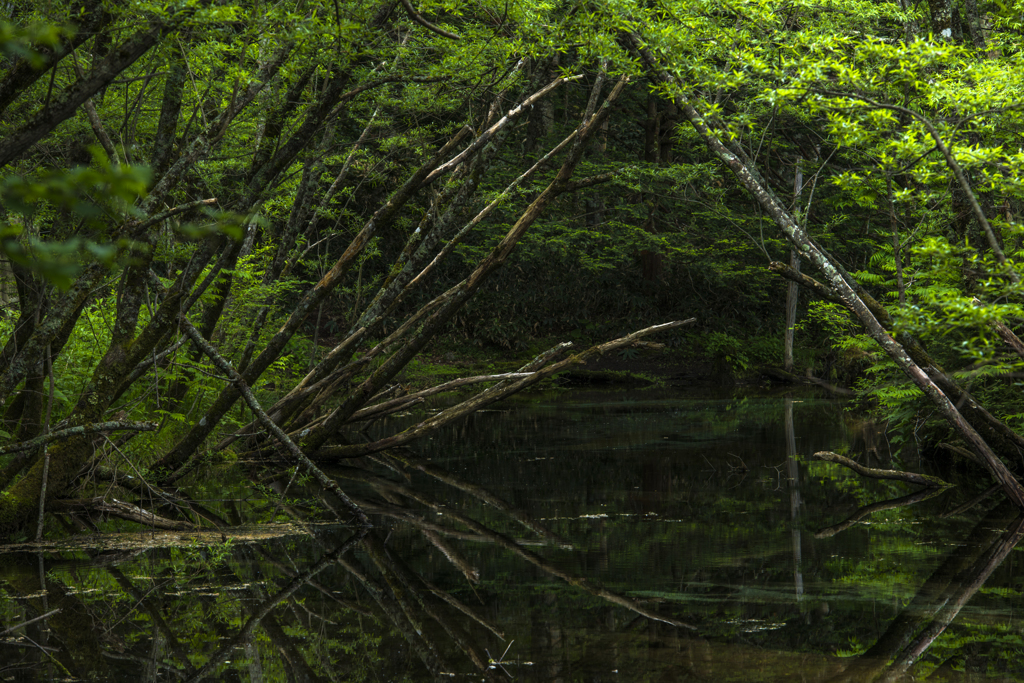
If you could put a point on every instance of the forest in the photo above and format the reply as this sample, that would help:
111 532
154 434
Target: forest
228 229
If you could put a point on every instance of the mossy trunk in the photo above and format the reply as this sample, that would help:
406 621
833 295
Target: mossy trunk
19 505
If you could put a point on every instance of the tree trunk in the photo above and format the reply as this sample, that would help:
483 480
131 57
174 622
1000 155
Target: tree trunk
747 175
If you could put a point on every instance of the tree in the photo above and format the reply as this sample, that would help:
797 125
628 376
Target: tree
849 82
240 176
253 131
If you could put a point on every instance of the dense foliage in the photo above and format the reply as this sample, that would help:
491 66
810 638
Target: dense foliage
202 198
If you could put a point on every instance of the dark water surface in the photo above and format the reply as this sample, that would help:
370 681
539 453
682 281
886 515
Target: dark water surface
573 536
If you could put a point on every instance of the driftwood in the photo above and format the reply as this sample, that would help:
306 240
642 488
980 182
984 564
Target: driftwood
897 475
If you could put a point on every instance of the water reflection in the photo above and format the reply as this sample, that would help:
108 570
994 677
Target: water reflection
569 537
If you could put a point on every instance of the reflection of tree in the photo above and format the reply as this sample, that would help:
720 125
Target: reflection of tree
939 600
793 470
261 610
373 608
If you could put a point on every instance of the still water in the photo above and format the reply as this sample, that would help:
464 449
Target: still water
571 536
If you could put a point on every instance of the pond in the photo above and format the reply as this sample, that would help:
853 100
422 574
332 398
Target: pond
564 536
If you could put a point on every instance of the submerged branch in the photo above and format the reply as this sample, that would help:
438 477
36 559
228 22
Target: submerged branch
267 606
874 473
971 503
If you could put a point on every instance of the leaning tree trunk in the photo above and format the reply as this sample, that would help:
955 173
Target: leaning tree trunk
746 172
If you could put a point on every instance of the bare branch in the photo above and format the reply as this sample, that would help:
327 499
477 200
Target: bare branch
88 428
874 473
501 123
117 508
490 395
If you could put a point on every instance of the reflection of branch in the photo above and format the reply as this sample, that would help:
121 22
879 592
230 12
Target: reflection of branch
415 520
535 559
462 607
392 567
264 609
939 590
398 617
868 510
959 595
423 465
897 475
288 572
972 502
155 616
471 573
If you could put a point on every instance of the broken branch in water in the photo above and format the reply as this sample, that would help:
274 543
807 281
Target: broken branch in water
897 475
